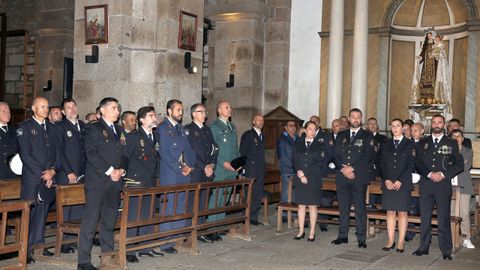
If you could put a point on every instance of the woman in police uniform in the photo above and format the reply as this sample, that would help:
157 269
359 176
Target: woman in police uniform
397 161
310 161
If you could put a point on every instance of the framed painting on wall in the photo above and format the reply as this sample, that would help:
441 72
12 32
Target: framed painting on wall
96 24
187 31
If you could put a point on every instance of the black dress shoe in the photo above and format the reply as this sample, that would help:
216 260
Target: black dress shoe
420 252
299 237
65 249
339 241
145 254
256 223
96 242
215 237
362 244
447 257
204 239
311 239
389 248
400 250
132 259
30 259
156 253
47 253
323 228
86 266
170 250
409 237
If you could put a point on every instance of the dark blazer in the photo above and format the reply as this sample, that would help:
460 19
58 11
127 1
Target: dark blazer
253 148
38 151
467 143
313 161
71 150
358 153
397 164
142 156
285 152
103 150
446 158
173 144
8 149
206 150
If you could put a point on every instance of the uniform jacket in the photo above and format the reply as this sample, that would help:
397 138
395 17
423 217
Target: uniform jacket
397 164
226 140
8 149
173 145
285 153
142 156
252 147
312 160
103 150
206 150
38 151
358 153
71 150
445 158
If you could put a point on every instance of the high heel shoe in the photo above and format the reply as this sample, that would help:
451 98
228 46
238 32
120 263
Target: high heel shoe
400 250
299 237
389 248
311 239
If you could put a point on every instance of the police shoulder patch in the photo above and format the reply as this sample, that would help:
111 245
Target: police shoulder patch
19 132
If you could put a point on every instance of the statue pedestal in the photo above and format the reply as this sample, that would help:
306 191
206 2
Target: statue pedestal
423 113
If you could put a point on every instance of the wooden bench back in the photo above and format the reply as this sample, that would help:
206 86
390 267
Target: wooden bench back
21 243
10 189
68 195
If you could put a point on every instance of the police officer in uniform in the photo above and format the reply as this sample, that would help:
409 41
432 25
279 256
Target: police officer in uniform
72 155
104 145
438 160
253 148
141 152
354 156
8 143
176 162
37 147
206 150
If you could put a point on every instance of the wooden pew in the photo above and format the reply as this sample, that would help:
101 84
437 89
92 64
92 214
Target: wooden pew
237 208
272 192
21 243
382 215
10 190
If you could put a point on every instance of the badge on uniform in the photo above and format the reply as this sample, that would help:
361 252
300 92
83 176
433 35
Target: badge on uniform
359 143
142 143
375 148
187 132
196 133
320 140
105 134
330 142
322 154
69 133
170 133
425 146
34 132
225 140
255 141
372 143
344 140
122 139
19 132
414 153
157 146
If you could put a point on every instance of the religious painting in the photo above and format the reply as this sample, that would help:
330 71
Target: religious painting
187 31
96 24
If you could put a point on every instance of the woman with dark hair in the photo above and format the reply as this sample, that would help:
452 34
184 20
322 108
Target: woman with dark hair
310 162
397 162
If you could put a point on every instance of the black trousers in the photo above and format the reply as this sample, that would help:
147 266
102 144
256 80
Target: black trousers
257 195
100 205
427 201
348 192
144 214
36 229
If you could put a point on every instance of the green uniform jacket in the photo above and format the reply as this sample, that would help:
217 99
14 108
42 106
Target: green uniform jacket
227 148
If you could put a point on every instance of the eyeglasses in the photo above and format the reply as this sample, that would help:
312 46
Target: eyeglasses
201 111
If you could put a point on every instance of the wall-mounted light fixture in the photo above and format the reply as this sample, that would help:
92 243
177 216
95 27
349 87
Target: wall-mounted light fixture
48 87
94 57
187 63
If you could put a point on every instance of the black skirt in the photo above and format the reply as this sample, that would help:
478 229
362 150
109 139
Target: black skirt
308 194
397 200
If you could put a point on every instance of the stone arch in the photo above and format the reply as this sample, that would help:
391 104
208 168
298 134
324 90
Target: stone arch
395 4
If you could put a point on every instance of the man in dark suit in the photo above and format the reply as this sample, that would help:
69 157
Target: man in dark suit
453 124
253 148
104 144
354 156
37 147
336 128
141 152
438 160
372 126
206 150
176 162
8 143
72 156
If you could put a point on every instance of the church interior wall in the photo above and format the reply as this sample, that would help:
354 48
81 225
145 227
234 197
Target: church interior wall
459 76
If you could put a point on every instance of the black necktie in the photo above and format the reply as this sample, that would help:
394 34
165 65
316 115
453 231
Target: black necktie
43 126
5 128
395 143
353 135
308 143
78 126
113 130
435 142
229 126
261 137
150 137
179 131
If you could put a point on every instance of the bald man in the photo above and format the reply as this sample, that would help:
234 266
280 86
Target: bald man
37 148
8 142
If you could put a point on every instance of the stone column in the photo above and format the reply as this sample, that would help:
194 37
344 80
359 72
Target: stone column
382 90
472 72
335 61
358 97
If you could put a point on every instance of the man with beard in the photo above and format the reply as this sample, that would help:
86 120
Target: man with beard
37 147
8 142
353 156
72 155
438 160
176 162
55 114
104 144
253 148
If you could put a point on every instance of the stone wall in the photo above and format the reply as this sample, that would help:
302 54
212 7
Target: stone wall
141 64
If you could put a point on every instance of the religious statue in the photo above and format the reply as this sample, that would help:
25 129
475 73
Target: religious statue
431 91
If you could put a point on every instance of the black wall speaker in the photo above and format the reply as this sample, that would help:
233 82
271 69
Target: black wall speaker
67 78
